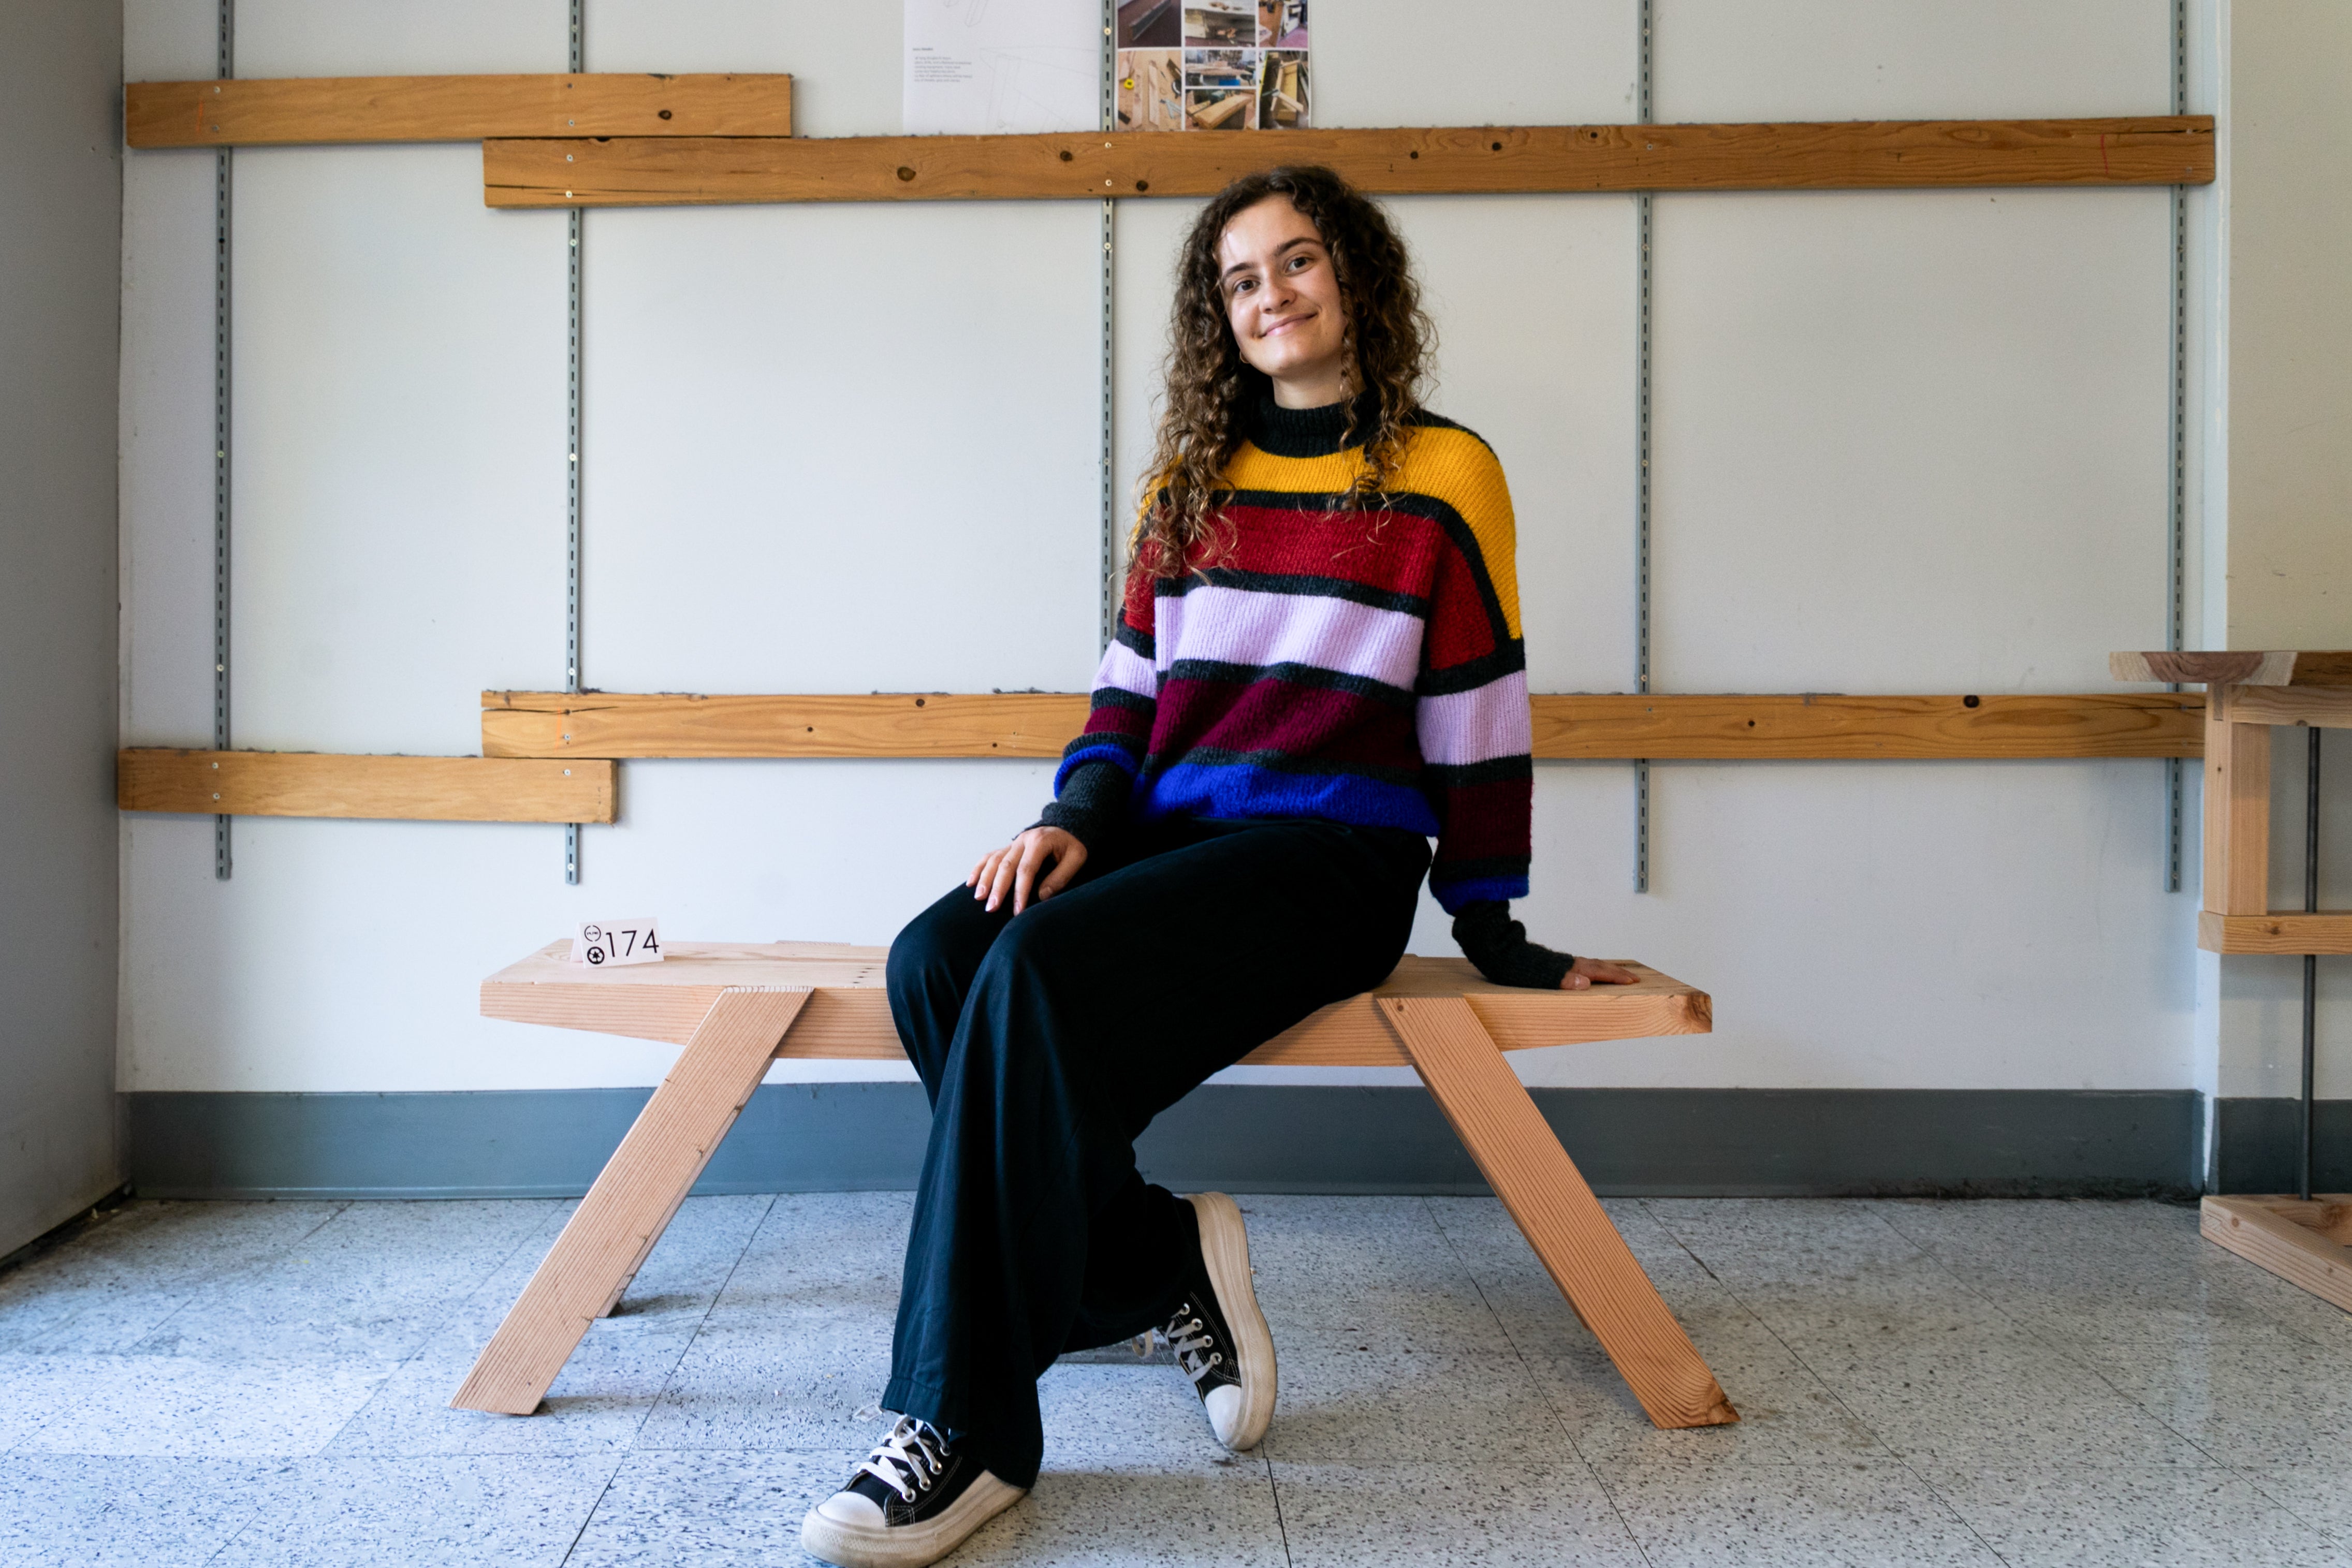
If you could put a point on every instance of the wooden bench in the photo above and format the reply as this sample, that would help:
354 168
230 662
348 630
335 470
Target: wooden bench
736 1007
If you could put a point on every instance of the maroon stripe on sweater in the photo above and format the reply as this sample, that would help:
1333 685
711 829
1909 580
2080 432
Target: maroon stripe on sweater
1485 819
1297 720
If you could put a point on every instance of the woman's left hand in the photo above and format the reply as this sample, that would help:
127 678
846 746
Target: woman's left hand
1589 972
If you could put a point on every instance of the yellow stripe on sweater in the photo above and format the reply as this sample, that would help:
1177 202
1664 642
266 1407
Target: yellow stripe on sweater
1452 466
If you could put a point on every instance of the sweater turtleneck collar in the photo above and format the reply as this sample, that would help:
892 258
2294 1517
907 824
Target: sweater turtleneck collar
1309 431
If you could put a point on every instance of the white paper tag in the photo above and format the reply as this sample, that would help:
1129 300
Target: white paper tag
602 943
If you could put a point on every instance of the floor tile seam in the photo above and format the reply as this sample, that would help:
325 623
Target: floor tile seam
1794 1355
589 1518
202 1281
1281 1525
702 1321
2254 1479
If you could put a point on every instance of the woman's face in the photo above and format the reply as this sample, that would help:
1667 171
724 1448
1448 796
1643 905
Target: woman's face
1282 300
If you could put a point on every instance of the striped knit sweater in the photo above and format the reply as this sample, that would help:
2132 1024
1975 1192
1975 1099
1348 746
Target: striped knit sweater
1357 666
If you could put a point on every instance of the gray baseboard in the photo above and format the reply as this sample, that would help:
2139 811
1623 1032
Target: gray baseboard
2256 1144
829 1137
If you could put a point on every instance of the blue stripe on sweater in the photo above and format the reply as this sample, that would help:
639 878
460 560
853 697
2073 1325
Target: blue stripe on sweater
1242 789
1122 753
1452 895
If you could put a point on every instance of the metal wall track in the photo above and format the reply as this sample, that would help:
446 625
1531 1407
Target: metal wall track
224 66
571 443
2176 620
1642 221
1107 454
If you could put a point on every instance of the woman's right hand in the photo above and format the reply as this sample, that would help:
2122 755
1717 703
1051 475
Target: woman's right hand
1016 868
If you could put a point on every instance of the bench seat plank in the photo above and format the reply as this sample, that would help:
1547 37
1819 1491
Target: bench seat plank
848 1017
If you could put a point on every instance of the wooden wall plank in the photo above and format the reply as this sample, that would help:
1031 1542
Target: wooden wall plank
1793 728
451 108
2280 932
1853 155
935 724
1581 727
313 784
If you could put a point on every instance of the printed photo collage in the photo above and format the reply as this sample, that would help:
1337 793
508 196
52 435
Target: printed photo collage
1213 65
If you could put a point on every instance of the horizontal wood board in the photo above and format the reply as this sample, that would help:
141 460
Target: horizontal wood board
1570 727
2250 667
315 784
2323 707
848 1014
1845 155
2283 932
299 109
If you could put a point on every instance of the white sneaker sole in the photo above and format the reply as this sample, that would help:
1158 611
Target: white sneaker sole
1224 1246
908 1546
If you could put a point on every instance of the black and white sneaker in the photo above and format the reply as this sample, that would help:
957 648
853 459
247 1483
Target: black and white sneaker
912 1501
1219 1335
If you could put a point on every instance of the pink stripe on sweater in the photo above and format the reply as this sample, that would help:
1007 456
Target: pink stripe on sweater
1476 725
1236 626
1124 668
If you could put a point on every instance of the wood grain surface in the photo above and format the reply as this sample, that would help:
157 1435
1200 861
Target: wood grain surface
1552 1205
631 1199
2265 1231
2283 932
1597 728
319 784
2323 707
2237 816
452 108
848 1016
2248 667
1567 728
1847 155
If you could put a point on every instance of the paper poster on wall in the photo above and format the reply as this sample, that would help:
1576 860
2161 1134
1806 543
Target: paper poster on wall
1213 65
983 67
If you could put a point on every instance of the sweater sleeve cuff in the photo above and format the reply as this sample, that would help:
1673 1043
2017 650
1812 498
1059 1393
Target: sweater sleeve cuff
1498 945
1092 805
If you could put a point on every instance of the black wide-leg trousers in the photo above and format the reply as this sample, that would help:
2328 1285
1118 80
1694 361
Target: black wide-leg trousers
1048 1041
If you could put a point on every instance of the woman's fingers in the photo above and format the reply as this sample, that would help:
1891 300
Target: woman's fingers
1000 879
1071 856
1024 871
1589 972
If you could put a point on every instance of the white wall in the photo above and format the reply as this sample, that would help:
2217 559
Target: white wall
1907 442
60 188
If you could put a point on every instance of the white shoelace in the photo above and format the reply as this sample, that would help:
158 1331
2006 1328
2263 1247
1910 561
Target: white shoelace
912 1451
1192 1343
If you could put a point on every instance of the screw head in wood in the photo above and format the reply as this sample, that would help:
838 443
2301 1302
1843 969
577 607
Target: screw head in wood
664 114
905 172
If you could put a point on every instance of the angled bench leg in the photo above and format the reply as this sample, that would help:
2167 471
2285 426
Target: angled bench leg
1498 1123
640 1188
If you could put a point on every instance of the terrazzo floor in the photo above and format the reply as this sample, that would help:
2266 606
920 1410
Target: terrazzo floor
2021 1382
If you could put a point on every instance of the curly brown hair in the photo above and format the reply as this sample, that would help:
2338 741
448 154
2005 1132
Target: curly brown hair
1387 338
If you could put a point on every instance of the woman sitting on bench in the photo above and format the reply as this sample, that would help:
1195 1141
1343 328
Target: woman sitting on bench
1318 669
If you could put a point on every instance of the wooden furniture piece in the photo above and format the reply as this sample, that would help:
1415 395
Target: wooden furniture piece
261 112
1572 726
629 172
316 784
736 1007
2301 1238
2246 695
2304 1242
